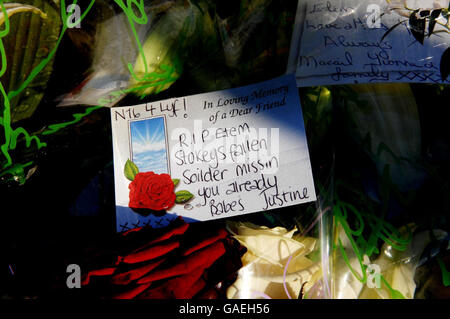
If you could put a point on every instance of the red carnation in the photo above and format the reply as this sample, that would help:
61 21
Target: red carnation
152 191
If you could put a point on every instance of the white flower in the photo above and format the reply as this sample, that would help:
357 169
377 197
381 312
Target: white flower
275 264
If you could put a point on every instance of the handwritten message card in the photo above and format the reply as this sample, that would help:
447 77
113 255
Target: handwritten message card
369 41
211 156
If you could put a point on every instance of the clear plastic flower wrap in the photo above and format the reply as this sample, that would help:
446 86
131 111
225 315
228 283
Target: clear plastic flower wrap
384 230
387 198
92 54
208 42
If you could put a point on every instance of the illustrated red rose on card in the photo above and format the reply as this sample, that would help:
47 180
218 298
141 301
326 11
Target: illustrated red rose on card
152 191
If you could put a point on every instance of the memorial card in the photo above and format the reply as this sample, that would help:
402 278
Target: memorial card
211 156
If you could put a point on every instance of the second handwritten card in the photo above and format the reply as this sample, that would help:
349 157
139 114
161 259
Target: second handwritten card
370 41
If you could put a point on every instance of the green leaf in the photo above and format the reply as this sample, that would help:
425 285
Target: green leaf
445 273
417 26
175 181
434 15
395 294
183 196
130 170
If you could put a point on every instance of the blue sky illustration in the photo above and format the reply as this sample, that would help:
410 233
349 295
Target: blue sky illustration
148 143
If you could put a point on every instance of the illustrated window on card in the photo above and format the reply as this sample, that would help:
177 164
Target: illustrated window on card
149 145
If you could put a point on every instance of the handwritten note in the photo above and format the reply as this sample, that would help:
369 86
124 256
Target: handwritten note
368 41
228 153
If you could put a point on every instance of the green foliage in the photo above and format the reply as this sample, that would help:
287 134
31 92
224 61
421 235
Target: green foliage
130 170
183 197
